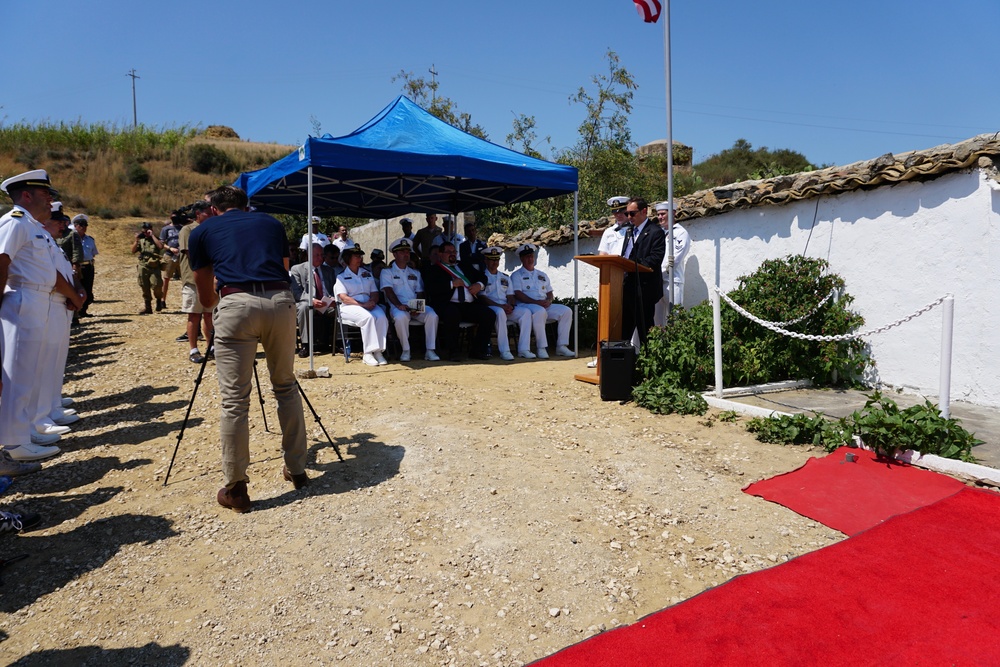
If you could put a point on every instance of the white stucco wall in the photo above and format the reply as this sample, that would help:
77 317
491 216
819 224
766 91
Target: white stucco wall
897 247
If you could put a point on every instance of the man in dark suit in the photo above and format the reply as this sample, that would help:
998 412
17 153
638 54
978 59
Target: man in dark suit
471 249
451 290
322 277
646 244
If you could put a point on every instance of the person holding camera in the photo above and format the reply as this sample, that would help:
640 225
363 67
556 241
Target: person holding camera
170 262
149 249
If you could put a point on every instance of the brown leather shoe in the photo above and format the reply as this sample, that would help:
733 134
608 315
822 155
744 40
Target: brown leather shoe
298 481
236 498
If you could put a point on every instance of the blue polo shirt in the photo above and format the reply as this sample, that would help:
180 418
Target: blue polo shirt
241 247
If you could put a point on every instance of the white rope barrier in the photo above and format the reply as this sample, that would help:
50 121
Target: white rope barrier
775 327
944 389
804 317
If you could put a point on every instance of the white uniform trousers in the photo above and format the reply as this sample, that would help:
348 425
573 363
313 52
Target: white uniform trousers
558 312
660 310
374 325
24 314
401 320
52 363
520 316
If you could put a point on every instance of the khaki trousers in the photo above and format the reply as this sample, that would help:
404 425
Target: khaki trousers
242 321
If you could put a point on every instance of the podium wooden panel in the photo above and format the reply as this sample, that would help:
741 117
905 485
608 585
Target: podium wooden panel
609 301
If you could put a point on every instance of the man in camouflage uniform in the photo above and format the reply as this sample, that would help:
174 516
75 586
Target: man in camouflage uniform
149 248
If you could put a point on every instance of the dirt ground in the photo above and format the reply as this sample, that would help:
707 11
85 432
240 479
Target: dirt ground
486 513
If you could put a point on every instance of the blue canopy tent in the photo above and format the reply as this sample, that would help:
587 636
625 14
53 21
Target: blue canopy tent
403 160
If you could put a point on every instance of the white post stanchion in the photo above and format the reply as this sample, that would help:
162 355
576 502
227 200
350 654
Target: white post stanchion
717 334
948 324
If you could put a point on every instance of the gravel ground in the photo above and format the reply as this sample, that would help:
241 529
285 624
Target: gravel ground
486 513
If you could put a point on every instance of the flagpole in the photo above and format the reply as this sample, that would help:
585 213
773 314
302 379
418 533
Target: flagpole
670 163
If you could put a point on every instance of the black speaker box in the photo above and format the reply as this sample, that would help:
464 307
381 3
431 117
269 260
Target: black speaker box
617 370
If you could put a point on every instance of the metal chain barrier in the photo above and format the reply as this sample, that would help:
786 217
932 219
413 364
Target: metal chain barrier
775 327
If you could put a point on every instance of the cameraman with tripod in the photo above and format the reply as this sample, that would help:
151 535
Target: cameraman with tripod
254 305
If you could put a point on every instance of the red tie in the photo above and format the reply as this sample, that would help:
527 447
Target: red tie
319 284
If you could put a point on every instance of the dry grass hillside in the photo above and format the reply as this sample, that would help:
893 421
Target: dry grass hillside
110 173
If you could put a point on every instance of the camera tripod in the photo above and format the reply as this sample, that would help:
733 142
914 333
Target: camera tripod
260 396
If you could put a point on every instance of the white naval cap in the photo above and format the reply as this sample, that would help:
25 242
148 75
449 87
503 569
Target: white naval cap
36 178
618 203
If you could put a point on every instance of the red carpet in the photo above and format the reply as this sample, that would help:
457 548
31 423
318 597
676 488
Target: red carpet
851 497
918 589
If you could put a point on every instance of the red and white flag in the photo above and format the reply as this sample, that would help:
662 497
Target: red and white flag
649 10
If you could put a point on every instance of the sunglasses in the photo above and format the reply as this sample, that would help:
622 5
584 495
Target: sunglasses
632 214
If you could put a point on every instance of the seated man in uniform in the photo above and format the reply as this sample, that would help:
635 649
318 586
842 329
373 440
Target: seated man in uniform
533 290
499 296
322 279
400 285
357 292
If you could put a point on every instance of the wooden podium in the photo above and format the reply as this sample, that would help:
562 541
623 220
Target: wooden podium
609 301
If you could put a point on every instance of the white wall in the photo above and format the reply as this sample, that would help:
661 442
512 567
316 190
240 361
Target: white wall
897 247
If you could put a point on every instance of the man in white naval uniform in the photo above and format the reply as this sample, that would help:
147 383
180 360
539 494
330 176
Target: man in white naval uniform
682 243
533 290
499 296
50 417
27 278
401 284
613 238
357 292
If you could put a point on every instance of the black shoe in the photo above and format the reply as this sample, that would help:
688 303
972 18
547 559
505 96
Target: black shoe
303 352
182 338
18 523
160 305
210 352
195 357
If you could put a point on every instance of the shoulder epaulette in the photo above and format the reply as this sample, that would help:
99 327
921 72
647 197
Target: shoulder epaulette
17 214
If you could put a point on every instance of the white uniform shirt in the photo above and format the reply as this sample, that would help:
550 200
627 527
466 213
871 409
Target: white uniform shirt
682 243
405 282
499 286
535 284
613 240
342 244
29 247
358 285
318 237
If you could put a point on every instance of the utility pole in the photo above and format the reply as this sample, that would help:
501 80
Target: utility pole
433 85
135 118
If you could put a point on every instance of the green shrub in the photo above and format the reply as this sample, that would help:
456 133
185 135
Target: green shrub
136 174
881 425
800 430
208 159
588 320
885 428
780 290
662 396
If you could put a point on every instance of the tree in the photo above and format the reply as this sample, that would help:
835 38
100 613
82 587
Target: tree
523 137
742 162
424 93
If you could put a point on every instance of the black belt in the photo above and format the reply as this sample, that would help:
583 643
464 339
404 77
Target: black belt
253 288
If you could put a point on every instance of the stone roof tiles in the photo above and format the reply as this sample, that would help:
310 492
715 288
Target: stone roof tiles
982 151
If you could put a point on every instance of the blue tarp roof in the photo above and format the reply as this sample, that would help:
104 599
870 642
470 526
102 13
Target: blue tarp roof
401 161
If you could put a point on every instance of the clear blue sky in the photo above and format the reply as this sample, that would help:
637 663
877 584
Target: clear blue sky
837 81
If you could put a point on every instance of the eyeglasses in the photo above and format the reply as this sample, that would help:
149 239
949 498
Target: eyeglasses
631 214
